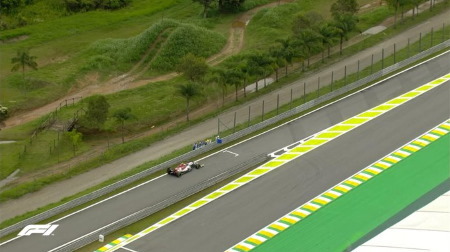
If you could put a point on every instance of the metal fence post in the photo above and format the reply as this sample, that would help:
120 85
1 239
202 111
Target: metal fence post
345 75
249 108
431 39
218 126
304 92
357 74
290 106
420 42
234 123
332 80
262 114
394 53
318 86
278 102
371 65
408 49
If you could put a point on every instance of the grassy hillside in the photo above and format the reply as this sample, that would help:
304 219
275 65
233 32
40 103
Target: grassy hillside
179 40
112 49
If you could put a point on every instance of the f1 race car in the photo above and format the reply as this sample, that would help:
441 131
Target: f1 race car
183 168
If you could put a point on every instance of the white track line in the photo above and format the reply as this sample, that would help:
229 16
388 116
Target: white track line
276 127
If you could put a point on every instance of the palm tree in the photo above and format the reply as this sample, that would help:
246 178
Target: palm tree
287 51
328 35
309 41
279 60
234 76
243 68
394 4
188 91
219 76
255 66
22 60
121 116
344 25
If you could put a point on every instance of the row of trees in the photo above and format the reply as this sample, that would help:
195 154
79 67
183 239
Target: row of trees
222 6
402 5
311 35
87 5
10 6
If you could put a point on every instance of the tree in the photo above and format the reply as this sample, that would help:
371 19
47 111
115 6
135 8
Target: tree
328 36
218 75
234 77
192 67
188 91
258 64
344 7
416 4
309 41
9 6
96 113
394 4
287 49
344 25
75 138
243 67
122 115
230 5
3 114
23 60
206 5
310 20
280 61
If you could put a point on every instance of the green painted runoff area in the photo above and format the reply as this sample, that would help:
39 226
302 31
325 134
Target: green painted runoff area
344 221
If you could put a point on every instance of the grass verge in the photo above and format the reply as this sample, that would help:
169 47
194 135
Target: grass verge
349 218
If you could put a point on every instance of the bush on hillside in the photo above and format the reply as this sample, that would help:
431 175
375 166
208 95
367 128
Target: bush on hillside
114 53
119 54
187 39
87 5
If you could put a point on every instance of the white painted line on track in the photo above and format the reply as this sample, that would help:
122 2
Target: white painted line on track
245 140
302 148
227 151
129 249
66 216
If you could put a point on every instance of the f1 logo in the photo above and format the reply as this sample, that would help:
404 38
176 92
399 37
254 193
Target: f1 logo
38 229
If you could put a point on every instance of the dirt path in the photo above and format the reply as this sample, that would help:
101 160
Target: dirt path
90 84
57 191
127 81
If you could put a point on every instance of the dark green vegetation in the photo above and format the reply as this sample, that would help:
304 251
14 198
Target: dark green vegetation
346 220
153 104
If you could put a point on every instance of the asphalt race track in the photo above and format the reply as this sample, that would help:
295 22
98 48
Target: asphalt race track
226 221
220 225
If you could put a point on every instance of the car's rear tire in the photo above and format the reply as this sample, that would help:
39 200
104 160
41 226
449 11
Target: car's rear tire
169 171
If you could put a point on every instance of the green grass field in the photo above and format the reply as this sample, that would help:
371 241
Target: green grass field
349 218
152 104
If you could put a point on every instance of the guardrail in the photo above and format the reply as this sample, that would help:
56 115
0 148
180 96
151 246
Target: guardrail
93 236
232 137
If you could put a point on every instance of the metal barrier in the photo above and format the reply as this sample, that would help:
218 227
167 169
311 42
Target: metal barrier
232 137
93 236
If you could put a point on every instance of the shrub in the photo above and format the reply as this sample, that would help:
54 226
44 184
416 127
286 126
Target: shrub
9 6
87 5
187 39
120 54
